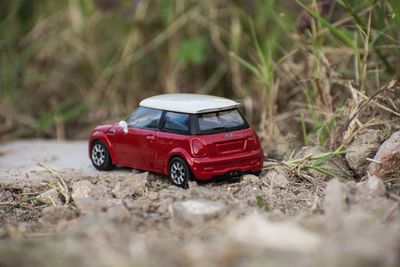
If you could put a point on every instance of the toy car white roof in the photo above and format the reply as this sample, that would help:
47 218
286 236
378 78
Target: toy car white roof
188 103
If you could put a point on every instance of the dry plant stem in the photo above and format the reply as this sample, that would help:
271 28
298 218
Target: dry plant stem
394 112
390 86
156 41
396 197
389 214
141 52
319 88
366 48
341 22
62 186
39 235
21 203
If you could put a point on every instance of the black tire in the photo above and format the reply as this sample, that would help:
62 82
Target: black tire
100 156
257 173
179 172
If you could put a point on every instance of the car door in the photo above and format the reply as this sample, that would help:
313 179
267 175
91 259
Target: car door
136 147
174 134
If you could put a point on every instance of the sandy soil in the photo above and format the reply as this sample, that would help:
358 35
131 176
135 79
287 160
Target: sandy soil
20 159
80 216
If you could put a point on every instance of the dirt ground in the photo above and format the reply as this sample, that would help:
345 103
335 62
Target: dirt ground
57 210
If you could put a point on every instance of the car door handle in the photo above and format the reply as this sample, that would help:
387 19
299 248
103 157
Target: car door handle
150 137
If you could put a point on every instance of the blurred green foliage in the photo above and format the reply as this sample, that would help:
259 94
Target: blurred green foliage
66 66
192 51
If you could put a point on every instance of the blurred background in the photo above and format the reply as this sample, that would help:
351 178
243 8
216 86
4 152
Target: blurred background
298 67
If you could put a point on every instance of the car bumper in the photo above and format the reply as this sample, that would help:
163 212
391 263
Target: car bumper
208 168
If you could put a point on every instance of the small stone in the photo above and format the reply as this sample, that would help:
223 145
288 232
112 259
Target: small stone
196 212
162 209
88 205
118 212
363 146
192 184
81 189
372 187
250 178
256 231
86 198
55 214
134 185
387 159
117 191
51 196
277 178
101 191
153 196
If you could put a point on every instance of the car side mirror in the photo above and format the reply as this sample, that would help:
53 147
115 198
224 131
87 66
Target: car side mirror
124 126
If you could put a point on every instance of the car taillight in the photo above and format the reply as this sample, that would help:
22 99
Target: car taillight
198 148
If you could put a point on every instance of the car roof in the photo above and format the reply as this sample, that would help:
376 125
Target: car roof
188 103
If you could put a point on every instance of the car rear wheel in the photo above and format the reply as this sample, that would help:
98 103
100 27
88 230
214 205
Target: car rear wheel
257 173
100 156
179 172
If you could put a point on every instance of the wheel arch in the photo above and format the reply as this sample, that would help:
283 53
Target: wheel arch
181 153
99 136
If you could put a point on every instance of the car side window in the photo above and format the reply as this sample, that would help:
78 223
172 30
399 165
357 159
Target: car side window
176 122
145 118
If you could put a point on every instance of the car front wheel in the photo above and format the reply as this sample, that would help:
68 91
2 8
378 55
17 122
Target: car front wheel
100 156
179 172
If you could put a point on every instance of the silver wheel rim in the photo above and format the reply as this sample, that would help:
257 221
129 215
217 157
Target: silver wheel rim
98 154
177 172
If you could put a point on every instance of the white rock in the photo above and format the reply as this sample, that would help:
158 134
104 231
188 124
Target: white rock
277 179
83 194
192 184
89 198
119 191
250 178
51 196
134 185
196 212
388 156
363 147
81 189
258 232
118 212
372 187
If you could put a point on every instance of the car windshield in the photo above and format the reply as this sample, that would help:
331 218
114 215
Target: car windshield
221 121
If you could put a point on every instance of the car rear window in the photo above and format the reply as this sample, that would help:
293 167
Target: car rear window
176 122
220 121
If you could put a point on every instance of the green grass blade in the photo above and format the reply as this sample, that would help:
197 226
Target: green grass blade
341 35
246 65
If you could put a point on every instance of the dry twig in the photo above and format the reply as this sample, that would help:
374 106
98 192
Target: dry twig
62 186
361 106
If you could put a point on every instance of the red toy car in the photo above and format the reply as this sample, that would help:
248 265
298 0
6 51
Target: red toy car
183 136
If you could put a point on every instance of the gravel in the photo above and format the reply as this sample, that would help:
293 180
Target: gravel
125 218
